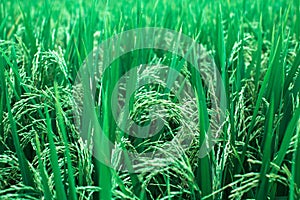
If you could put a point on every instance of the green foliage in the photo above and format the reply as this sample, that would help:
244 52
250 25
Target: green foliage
255 46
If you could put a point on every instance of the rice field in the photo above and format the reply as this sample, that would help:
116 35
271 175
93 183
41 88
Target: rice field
149 99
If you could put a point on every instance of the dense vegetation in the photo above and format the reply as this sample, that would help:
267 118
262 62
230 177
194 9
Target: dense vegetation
255 45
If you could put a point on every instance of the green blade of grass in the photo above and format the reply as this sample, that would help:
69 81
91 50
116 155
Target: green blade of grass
104 171
297 20
203 171
72 189
261 94
292 72
263 180
258 54
42 170
295 178
221 51
23 164
17 81
101 148
2 100
59 187
285 142
29 36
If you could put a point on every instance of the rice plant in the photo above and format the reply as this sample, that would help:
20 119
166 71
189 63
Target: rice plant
254 47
